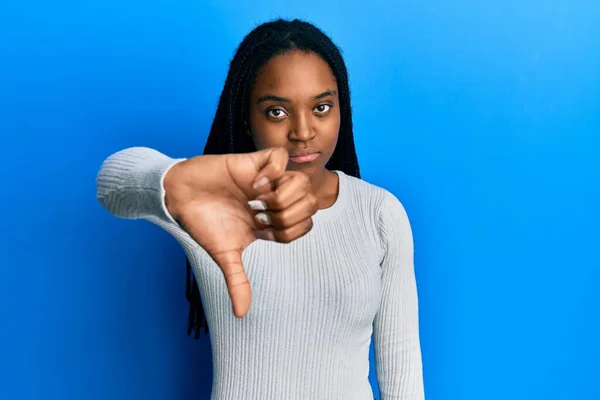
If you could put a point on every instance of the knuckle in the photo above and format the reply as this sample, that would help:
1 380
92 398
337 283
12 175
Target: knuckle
285 237
280 151
309 224
275 202
277 220
313 203
279 168
231 274
282 218
291 175
235 285
304 178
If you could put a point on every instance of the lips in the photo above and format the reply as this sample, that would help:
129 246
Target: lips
304 155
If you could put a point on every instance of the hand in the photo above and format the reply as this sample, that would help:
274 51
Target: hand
215 198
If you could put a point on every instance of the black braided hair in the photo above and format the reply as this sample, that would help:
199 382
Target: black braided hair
228 131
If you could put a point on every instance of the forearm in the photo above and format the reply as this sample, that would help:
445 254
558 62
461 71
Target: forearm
129 183
398 349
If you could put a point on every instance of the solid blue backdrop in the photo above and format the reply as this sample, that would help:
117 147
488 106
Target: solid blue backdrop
482 117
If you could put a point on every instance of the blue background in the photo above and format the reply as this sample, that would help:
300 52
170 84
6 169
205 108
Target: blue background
482 117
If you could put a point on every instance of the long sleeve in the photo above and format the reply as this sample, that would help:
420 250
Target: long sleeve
129 185
396 326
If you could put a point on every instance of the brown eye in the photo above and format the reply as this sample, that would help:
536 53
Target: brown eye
323 108
276 113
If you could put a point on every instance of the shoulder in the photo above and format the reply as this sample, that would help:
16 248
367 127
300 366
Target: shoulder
379 208
379 201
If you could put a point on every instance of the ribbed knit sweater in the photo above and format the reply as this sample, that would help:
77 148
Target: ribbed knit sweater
316 302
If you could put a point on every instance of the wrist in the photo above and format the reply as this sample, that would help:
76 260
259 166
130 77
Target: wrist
172 186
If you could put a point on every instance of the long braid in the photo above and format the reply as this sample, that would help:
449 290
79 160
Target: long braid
196 316
227 134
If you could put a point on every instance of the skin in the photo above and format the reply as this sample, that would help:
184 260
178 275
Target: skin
294 104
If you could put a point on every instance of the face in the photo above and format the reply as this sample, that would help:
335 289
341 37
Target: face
294 104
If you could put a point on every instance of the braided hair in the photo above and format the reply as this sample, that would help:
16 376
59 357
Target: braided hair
227 133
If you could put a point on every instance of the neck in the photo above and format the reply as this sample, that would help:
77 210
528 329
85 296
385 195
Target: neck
325 187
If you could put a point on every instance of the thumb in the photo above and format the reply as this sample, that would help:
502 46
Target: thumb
270 164
238 285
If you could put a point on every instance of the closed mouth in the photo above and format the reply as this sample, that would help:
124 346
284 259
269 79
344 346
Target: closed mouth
305 155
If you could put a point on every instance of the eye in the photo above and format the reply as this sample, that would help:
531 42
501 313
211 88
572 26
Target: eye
276 113
323 108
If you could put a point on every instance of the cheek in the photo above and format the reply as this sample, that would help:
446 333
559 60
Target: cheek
267 135
260 141
333 131
260 135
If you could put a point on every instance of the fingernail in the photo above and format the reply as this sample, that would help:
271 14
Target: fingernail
263 218
261 182
257 205
265 235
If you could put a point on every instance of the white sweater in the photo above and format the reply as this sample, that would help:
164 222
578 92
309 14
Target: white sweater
316 301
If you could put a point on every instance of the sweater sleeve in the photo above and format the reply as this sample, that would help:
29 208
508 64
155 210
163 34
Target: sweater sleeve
396 325
130 185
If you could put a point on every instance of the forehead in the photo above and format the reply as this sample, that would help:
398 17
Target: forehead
295 73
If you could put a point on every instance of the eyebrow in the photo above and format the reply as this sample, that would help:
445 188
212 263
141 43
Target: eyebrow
271 97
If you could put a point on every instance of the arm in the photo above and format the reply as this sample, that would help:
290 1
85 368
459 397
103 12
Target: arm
130 185
396 326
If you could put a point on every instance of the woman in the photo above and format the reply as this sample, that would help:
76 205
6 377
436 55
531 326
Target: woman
334 261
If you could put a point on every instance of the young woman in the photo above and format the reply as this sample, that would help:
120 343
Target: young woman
276 204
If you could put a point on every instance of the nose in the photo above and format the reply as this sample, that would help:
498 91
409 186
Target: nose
302 129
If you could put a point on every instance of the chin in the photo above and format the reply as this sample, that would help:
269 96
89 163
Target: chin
307 168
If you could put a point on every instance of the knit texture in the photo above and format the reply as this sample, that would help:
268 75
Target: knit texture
316 302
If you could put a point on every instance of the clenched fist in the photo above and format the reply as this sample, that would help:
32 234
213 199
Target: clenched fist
225 202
